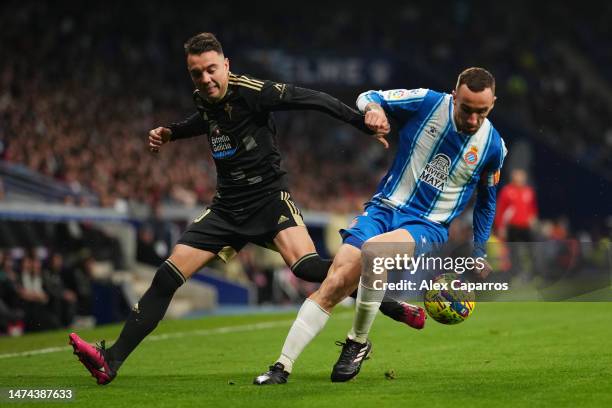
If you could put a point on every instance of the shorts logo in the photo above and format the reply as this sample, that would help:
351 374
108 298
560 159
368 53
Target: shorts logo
436 171
471 157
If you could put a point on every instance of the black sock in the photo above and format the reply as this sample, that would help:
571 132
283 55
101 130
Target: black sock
389 307
311 268
145 315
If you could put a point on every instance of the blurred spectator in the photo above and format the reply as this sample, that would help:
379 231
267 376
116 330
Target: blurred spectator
61 300
34 298
515 218
517 209
11 315
78 279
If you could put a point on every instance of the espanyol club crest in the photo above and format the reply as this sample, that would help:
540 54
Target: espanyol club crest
471 157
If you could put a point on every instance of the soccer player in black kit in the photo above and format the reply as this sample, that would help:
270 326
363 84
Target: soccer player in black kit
252 203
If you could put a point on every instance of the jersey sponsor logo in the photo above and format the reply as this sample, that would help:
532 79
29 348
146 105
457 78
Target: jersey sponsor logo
436 171
221 145
471 156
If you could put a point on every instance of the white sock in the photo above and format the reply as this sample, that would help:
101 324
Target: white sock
309 322
366 307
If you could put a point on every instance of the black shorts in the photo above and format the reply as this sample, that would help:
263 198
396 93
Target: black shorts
225 237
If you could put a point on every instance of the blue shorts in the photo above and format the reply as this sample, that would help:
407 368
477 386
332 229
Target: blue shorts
378 219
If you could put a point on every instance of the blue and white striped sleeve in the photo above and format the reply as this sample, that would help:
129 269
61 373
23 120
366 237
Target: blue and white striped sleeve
486 197
396 102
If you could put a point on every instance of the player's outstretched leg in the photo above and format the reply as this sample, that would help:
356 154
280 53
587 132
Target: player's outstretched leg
314 314
312 268
309 322
142 320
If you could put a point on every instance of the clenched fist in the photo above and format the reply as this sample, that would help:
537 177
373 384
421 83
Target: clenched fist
158 137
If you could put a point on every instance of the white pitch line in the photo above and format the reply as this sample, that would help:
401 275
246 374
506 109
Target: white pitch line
166 336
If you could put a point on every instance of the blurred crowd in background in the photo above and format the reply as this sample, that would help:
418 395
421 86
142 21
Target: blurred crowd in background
82 84
40 291
81 87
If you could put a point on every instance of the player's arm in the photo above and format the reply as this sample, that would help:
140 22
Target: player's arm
500 213
484 209
278 97
484 214
375 118
193 126
397 103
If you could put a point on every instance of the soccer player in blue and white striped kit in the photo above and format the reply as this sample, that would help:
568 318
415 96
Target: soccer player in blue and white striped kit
447 150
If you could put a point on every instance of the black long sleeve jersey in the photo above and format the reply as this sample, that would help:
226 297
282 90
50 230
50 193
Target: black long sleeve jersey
242 137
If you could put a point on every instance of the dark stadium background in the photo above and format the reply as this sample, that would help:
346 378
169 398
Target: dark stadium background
81 84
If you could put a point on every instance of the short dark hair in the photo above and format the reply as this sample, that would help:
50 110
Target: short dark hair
202 42
476 79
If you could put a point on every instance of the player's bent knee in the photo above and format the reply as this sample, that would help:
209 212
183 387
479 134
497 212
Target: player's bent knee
189 260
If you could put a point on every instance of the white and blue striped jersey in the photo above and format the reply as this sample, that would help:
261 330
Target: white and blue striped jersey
436 168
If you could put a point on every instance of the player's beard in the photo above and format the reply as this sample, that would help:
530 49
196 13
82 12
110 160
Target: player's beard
218 95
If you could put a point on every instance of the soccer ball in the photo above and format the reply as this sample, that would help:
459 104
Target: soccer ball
449 306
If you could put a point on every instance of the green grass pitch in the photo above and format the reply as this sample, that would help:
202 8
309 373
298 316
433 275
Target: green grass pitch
506 354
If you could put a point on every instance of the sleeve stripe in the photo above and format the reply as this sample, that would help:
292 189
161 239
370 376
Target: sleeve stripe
246 84
246 81
407 100
245 78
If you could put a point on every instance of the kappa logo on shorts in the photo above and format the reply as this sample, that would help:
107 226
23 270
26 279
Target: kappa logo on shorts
436 171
